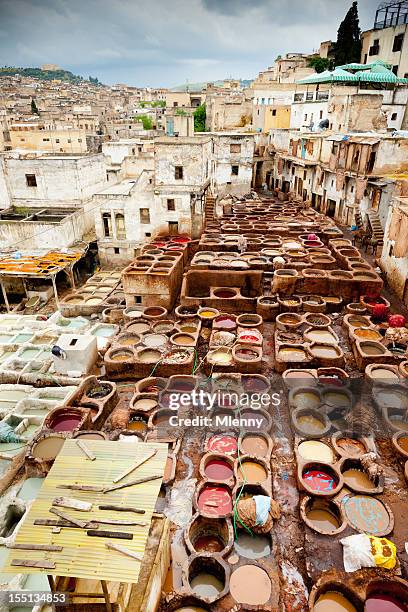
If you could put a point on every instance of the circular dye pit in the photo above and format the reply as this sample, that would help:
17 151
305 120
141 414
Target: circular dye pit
149 356
246 354
208 314
336 398
320 480
323 516
367 514
206 585
190 609
99 391
306 399
314 450
252 547
320 335
225 322
367 334
250 585
221 443
292 353
138 327
137 424
220 357
384 373
225 294
215 500
120 355
208 544
154 340
144 403
357 479
324 351
254 384
252 444
183 340
310 424
65 422
47 448
351 446
332 601
90 435
384 603
218 469
252 472
403 443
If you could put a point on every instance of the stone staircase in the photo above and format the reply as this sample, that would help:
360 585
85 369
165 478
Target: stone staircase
209 208
375 226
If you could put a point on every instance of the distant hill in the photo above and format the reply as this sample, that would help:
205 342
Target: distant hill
47 75
200 86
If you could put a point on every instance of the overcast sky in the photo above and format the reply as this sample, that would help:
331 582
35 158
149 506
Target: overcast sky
166 42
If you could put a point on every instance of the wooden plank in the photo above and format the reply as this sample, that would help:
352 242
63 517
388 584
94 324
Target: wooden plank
86 450
128 523
59 524
31 563
122 509
74 504
131 483
120 535
77 487
48 547
135 465
74 521
124 551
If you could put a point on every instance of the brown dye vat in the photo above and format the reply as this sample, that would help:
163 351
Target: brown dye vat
252 546
358 479
372 349
351 446
333 601
149 355
183 340
253 444
206 535
163 327
207 577
384 373
290 353
138 327
138 424
47 448
323 516
128 340
250 585
252 472
120 355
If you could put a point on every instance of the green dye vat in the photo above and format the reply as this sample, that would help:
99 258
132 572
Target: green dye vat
5 338
29 353
20 338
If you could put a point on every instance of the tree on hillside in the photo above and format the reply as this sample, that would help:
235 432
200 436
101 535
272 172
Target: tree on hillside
320 64
34 108
348 46
199 118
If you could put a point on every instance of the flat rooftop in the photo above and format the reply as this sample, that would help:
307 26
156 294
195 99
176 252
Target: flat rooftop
36 215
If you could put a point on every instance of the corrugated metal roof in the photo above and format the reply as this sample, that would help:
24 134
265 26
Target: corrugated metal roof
84 556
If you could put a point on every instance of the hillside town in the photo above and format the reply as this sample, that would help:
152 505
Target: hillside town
204 335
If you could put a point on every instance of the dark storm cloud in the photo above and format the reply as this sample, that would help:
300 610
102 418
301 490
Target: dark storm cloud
165 43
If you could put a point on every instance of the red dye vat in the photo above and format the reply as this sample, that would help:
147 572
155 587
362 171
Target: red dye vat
217 469
248 338
319 480
181 240
383 603
66 422
215 501
227 445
